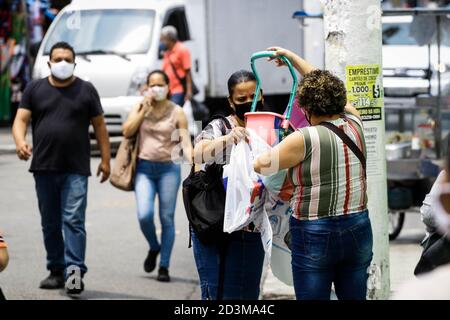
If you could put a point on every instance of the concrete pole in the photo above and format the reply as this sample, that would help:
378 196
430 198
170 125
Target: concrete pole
353 47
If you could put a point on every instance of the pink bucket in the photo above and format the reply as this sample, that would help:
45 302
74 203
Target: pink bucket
269 126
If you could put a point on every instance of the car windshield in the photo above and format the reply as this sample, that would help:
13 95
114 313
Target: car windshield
104 31
397 34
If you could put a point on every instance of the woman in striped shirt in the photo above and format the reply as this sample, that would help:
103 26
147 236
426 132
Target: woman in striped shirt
330 226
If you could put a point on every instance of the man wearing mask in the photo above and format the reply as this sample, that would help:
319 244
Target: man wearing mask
61 107
177 65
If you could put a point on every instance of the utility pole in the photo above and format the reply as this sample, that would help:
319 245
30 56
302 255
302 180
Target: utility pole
353 51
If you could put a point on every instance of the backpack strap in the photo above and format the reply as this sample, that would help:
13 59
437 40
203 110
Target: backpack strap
190 236
349 142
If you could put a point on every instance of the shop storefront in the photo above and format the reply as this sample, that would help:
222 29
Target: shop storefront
23 24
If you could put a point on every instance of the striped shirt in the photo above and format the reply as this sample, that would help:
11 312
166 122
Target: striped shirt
330 180
215 130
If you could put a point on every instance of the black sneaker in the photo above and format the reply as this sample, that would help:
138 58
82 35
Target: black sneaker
150 261
163 275
74 285
54 281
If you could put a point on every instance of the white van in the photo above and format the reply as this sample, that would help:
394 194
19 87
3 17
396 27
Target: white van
117 45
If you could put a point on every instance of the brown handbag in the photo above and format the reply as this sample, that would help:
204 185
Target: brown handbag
124 168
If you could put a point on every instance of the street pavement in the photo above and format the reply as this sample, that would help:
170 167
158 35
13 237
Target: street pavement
6 141
116 248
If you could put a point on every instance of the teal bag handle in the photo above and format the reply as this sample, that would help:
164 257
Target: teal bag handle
271 54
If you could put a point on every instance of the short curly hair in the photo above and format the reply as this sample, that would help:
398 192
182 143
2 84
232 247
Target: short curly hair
322 93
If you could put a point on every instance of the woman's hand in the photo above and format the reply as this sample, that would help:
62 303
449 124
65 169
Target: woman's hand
137 116
147 104
298 63
236 135
278 51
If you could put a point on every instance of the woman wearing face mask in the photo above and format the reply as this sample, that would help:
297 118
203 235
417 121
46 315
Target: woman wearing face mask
244 254
158 120
330 226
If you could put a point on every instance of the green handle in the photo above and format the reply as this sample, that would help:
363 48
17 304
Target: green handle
271 54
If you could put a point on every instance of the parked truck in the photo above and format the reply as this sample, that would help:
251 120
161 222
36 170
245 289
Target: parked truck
117 45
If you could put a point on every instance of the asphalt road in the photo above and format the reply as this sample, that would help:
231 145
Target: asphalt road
116 248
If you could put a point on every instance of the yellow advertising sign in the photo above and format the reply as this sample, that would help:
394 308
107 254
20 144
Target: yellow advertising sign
365 91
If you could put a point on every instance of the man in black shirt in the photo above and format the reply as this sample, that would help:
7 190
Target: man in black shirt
61 107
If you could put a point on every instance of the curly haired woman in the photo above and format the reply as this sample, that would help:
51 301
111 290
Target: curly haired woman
330 226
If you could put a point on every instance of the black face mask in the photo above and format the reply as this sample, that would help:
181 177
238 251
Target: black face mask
243 108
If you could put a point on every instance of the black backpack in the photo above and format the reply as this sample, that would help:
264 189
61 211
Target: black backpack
204 200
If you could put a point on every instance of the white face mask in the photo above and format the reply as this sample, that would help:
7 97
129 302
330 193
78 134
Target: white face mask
160 93
62 70
441 216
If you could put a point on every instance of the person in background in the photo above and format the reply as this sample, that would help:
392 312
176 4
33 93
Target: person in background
433 285
177 65
427 211
156 120
330 227
61 108
244 253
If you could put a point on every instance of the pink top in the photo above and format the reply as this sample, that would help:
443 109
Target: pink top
155 135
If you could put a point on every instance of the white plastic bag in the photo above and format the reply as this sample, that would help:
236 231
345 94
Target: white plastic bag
259 199
279 213
245 194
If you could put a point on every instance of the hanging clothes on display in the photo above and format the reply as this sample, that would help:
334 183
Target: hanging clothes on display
14 64
6 53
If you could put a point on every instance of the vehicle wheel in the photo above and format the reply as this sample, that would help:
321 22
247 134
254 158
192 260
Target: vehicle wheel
396 221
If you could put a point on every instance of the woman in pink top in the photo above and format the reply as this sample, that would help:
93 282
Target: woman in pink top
163 133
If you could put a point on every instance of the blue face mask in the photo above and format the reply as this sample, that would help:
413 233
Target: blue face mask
162 46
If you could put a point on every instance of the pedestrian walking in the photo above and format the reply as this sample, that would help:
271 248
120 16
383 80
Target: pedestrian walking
61 108
162 128
230 270
330 227
177 65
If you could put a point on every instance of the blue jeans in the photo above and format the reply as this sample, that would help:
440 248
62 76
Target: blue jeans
244 260
62 200
331 250
162 178
177 98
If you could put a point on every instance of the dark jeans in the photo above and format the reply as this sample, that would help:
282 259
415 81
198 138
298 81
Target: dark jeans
331 250
62 202
178 98
243 266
